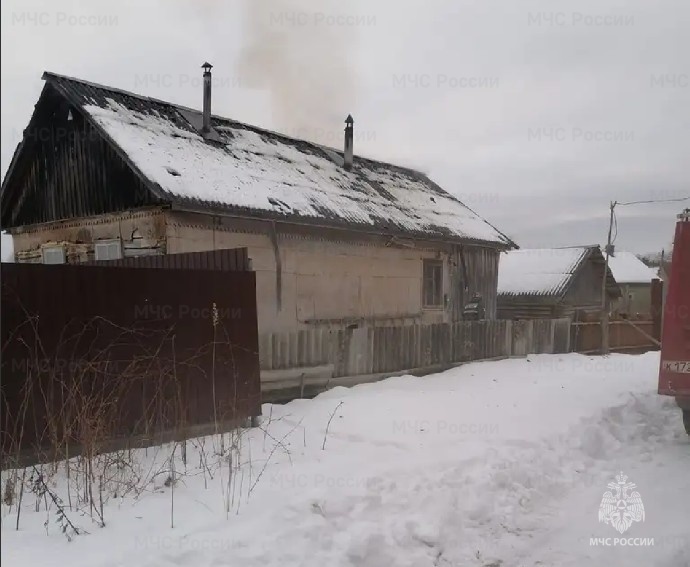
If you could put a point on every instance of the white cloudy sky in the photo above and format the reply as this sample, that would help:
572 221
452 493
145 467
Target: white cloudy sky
535 113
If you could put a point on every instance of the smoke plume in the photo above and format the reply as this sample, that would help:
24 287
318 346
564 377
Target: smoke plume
300 51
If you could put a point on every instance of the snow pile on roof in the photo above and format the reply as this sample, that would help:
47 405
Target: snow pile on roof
628 268
255 170
538 271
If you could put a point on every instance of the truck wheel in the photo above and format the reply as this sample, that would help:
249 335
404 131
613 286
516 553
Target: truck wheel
686 420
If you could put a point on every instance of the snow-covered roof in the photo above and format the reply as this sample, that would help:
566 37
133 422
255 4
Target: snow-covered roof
628 268
255 172
539 271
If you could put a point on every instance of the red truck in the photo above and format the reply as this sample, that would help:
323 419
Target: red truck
674 371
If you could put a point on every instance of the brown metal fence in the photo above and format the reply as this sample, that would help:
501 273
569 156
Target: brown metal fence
108 352
224 260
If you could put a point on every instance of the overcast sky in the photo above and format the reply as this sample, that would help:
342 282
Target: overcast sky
535 113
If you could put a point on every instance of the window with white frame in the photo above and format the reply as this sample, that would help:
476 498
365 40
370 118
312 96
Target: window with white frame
53 254
108 250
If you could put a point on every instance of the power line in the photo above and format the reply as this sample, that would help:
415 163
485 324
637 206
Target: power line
678 200
617 203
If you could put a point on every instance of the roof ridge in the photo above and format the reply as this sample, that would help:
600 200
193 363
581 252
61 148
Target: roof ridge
49 74
177 106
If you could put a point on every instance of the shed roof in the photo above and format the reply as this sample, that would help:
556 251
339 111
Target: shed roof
250 171
546 272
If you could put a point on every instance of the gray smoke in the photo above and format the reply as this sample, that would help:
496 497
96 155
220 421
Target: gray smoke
300 51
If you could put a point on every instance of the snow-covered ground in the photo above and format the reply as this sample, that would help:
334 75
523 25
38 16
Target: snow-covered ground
496 463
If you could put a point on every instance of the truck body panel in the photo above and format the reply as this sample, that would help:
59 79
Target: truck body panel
674 371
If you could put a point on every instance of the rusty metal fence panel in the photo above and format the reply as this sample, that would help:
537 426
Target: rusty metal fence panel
113 351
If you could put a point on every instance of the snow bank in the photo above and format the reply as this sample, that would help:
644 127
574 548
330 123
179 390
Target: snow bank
497 463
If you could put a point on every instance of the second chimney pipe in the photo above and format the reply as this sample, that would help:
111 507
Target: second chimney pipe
348 154
207 97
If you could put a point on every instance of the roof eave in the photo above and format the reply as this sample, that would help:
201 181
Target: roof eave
531 296
253 214
510 244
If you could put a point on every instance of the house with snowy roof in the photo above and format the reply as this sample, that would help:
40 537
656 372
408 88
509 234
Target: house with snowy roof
335 239
635 279
543 283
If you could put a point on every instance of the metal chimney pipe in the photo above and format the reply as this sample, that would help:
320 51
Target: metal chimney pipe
207 97
348 155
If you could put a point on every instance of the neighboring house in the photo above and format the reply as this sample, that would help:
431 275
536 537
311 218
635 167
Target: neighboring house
543 283
635 279
335 239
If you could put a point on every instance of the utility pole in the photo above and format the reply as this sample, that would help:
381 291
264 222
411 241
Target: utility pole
604 302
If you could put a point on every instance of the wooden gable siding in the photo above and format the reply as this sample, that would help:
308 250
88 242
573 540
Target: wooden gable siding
546 310
68 170
585 289
473 269
527 307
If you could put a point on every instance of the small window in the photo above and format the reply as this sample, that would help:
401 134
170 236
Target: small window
53 254
433 283
108 250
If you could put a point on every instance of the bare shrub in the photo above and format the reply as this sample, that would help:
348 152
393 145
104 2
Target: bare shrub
95 409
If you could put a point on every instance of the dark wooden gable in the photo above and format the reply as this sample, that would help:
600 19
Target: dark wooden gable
64 168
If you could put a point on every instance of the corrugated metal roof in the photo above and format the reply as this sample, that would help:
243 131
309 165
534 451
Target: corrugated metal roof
534 274
255 172
539 271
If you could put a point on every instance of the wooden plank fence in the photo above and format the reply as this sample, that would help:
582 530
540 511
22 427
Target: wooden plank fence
623 336
311 359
